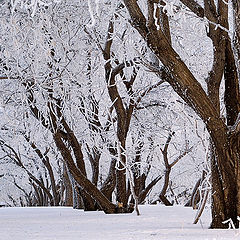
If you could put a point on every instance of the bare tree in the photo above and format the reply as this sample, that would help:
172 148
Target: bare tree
225 142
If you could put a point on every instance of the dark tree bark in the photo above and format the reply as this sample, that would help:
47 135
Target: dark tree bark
68 191
110 182
236 42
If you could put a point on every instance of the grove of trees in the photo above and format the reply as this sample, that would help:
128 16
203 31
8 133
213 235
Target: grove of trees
105 105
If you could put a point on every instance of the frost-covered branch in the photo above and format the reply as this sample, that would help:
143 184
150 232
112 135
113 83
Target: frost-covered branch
31 5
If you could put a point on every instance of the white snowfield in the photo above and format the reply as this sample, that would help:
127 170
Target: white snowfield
62 223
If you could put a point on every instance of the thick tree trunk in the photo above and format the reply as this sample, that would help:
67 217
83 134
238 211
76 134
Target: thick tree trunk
224 186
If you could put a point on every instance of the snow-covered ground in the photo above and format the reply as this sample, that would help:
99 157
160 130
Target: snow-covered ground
62 223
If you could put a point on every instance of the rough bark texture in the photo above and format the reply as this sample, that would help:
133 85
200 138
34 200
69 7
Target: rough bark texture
236 42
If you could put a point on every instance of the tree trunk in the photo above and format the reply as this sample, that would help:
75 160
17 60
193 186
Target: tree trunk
236 41
224 165
68 196
110 182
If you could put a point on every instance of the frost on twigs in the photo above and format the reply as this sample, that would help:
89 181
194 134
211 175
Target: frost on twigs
31 5
91 12
230 223
172 8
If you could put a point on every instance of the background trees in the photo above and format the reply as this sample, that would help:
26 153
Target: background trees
90 102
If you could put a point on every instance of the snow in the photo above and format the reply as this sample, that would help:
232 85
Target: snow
65 223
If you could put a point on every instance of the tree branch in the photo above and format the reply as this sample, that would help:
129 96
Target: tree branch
194 7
